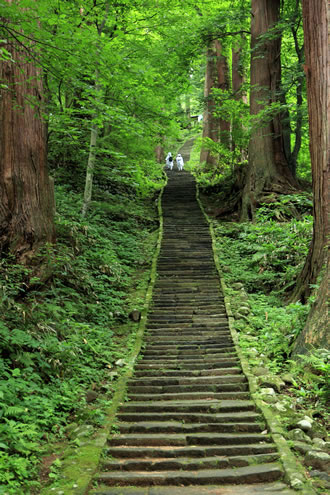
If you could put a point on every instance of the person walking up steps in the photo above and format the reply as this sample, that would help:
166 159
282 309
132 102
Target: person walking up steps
179 162
169 161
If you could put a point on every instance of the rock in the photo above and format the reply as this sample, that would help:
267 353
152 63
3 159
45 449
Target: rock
287 378
272 381
239 316
318 460
268 395
321 475
85 431
318 431
319 443
120 363
301 447
238 286
298 435
260 371
135 315
304 425
244 310
226 269
296 483
90 396
280 407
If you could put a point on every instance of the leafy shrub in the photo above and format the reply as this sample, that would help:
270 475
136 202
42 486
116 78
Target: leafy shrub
61 337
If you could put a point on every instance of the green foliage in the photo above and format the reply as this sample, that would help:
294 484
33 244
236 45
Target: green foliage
267 256
61 337
312 373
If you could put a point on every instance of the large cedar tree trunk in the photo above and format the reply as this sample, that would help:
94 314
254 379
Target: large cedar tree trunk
237 85
26 192
317 64
268 169
216 76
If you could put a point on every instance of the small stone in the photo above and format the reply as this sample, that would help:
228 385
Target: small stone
271 381
318 460
120 363
268 391
298 435
238 286
280 407
304 425
91 396
226 269
240 316
296 483
319 443
135 315
320 474
268 395
301 447
287 378
244 310
260 371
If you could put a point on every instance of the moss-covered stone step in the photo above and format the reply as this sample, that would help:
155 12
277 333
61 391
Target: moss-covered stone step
187 373
187 463
180 427
182 356
190 396
189 353
196 365
187 417
193 451
187 389
190 381
188 347
209 406
252 474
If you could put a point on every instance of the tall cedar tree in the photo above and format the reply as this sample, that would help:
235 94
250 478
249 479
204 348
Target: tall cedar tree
216 76
26 192
268 169
316 67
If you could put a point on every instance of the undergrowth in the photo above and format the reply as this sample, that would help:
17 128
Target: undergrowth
264 259
63 337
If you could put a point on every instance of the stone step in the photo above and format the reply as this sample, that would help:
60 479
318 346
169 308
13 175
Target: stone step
184 440
183 428
195 451
249 474
272 488
185 353
187 373
162 381
187 417
191 396
187 463
204 406
201 365
188 348
135 389
182 356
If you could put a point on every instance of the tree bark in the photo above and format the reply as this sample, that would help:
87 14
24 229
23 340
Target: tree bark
317 65
237 84
268 169
216 76
223 83
211 128
26 191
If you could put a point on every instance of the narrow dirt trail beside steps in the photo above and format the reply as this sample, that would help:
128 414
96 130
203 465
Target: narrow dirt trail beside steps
189 426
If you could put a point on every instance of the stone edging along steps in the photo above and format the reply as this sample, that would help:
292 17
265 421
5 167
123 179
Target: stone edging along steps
189 425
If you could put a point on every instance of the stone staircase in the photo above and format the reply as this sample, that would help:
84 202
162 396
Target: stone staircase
189 425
